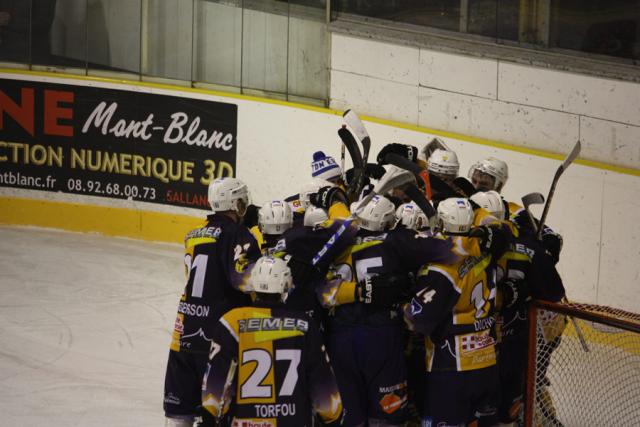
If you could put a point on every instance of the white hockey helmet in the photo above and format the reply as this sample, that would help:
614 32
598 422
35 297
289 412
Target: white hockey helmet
455 216
493 167
226 193
491 201
314 215
411 216
377 215
271 276
312 187
275 217
444 162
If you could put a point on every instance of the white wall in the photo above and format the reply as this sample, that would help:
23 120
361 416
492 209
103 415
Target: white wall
595 210
489 98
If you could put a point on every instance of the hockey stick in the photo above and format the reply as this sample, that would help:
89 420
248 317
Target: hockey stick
567 161
394 177
226 389
536 199
418 198
356 158
465 186
433 145
532 199
342 160
406 164
354 122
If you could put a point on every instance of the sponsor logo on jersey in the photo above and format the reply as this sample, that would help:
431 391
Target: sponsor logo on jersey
416 307
520 248
171 399
196 310
196 336
392 388
178 326
395 397
391 402
243 422
467 265
275 410
475 342
265 324
213 232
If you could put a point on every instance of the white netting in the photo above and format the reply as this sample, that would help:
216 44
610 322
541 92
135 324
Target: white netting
590 381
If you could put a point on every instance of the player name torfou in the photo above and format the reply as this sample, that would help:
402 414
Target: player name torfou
272 324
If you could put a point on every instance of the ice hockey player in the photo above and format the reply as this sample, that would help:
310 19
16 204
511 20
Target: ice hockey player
409 215
314 216
298 245
267 363
328 195
299 202
454 309
493 208
274 218
409 152
443 164
325 167
215 256
489 174
365 335
525 270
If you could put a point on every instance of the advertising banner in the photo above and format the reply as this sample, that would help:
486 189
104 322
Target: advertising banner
120 144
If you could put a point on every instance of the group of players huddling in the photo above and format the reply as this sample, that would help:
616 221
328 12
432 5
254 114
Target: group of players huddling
305 313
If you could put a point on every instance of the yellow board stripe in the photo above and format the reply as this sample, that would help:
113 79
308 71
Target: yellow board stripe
110 221
502 145
386 122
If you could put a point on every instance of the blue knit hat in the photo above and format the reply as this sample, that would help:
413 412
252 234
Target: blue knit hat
325 167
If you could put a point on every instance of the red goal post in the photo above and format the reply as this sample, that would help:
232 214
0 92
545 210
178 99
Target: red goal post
583 365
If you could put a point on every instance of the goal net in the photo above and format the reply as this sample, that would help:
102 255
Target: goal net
585 366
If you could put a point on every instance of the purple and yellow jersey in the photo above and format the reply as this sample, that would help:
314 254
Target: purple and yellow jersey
454 309
395 251
271 362
303 243
216 256
527 270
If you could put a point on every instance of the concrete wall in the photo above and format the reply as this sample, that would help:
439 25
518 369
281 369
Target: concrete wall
489 98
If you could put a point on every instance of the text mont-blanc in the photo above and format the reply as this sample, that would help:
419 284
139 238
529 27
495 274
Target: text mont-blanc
181 129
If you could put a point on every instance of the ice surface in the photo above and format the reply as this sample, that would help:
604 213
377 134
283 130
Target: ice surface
86 325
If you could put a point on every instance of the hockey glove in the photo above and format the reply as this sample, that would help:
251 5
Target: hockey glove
350 175
384 290
250 218
327 196
552 243
407 151
302 272
493 239
514 292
